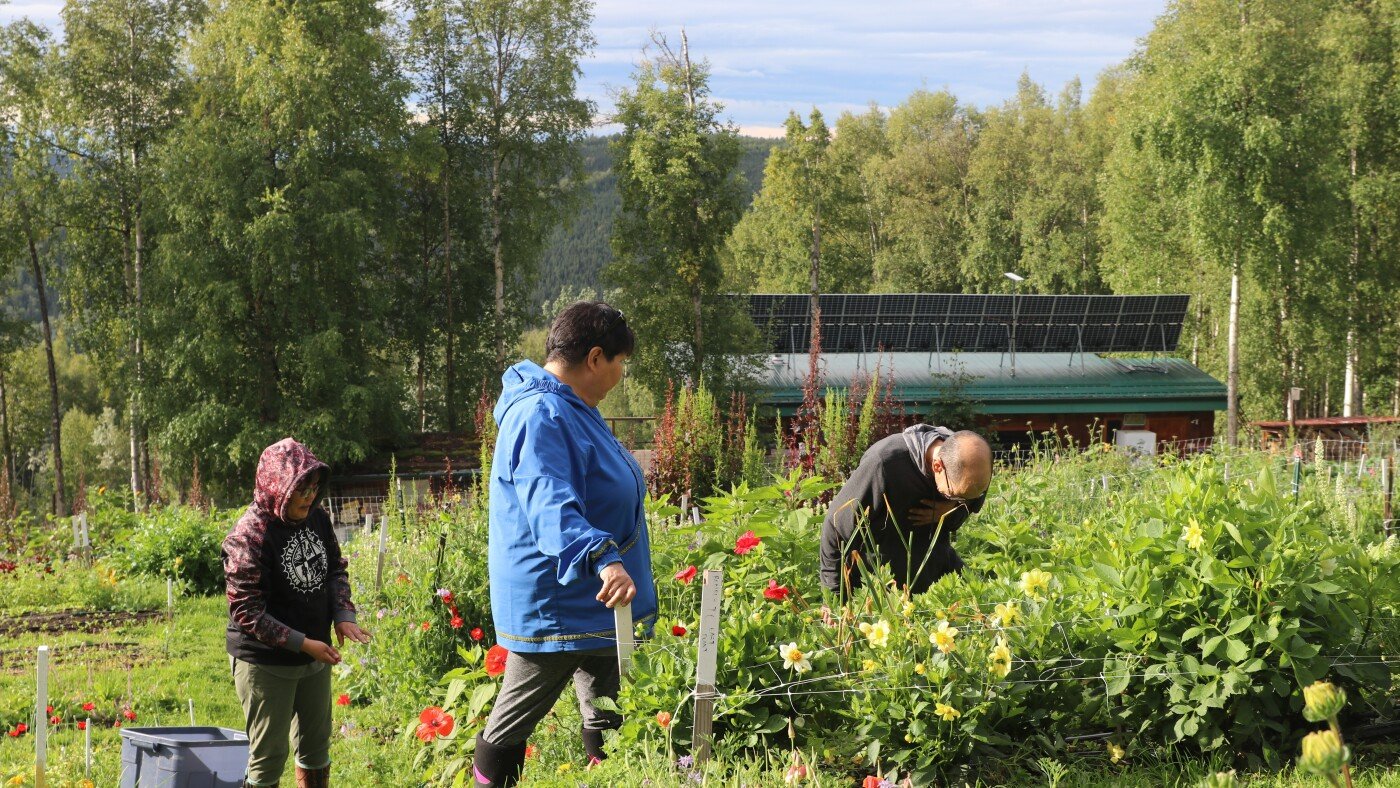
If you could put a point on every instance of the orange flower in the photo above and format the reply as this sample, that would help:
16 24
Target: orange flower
687 574
434 723
496 660
531 751
343 700
663 718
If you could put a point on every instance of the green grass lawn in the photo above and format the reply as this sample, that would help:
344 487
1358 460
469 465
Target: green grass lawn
158 667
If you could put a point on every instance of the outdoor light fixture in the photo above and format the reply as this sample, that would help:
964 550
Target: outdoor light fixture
1014 277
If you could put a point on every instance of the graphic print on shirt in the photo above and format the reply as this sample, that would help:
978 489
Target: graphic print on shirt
304 561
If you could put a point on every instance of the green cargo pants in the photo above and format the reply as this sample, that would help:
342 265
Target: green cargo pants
284 704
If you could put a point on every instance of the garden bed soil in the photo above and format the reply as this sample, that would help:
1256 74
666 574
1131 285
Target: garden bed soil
63 621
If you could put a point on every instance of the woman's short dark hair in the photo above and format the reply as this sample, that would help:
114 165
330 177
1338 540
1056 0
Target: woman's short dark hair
584 326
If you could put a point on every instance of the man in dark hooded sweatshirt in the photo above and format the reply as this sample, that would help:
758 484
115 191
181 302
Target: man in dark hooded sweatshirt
901 506
287 587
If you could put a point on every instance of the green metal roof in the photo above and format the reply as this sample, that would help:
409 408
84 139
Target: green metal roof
1043 383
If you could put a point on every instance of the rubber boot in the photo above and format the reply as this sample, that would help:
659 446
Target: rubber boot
247 784
314 778
593 745
497 765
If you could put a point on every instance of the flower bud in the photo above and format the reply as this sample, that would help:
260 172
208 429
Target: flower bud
1323 753
1323 701
1221 780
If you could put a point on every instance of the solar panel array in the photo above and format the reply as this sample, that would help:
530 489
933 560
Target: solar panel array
946 323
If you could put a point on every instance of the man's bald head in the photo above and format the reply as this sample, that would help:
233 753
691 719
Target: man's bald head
967 460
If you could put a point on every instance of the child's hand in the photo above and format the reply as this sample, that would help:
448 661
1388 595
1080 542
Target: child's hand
351 630
321 652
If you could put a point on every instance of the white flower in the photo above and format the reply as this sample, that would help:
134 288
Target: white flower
793 658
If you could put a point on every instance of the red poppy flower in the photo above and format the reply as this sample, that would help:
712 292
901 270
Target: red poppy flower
13 733
456 622
49 709
82 725
89 706
117 724
433 723
678 630
496 660
531 751
55 720
426 625
343 700
476 633
22 728
129 714
663 718
776 592
686 575
746 543
873 781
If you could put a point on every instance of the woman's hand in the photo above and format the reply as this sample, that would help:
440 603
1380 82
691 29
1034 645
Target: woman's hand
321 652
350 630
618 588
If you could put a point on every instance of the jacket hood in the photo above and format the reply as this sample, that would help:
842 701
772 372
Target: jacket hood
283 466
526 379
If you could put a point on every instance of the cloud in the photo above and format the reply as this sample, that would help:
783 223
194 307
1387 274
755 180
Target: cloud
768 57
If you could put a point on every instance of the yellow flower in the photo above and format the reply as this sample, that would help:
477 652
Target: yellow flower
868 665
1322 700
564 767
865 628
1323 753
1034 582
948 713
1000 659
1193 535
878 633
1006 614
920 669
793 658
908 609
18 779
943 637
1115 752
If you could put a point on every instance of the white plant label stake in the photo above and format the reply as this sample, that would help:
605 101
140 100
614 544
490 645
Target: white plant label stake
41 718
383 547
708 643
626 637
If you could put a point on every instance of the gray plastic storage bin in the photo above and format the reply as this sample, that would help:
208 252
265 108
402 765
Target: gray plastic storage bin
188 757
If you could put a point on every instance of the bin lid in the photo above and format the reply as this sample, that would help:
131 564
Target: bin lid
204 736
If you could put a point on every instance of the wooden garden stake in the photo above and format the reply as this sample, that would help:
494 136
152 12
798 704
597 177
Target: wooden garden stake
695 514
87 748
626 637
191 712
170 599
383 547
41 718
87 539
369 525
707 639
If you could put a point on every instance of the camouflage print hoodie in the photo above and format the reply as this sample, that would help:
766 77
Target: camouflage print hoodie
286 580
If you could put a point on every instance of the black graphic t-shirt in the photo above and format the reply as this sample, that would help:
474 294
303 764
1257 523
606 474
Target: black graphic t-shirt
296 563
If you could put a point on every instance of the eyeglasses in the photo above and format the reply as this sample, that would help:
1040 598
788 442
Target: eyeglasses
307 491
617 315
950 498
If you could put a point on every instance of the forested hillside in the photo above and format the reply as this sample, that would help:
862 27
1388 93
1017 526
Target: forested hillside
577 251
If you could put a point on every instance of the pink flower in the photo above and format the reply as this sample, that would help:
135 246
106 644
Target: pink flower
746 543
776 592
686 575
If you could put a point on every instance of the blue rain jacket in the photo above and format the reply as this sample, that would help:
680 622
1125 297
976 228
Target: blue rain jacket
566 501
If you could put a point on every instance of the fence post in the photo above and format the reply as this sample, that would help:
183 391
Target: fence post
191 712
708 643
1387 487
41 719
383 547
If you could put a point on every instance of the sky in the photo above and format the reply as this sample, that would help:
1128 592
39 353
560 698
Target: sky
769 57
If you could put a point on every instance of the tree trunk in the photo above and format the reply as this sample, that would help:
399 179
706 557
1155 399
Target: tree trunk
9 469
60 508
1232 394
1353 353
498 258
138 260
450 390
422 386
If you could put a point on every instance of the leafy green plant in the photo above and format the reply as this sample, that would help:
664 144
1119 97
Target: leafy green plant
180 543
